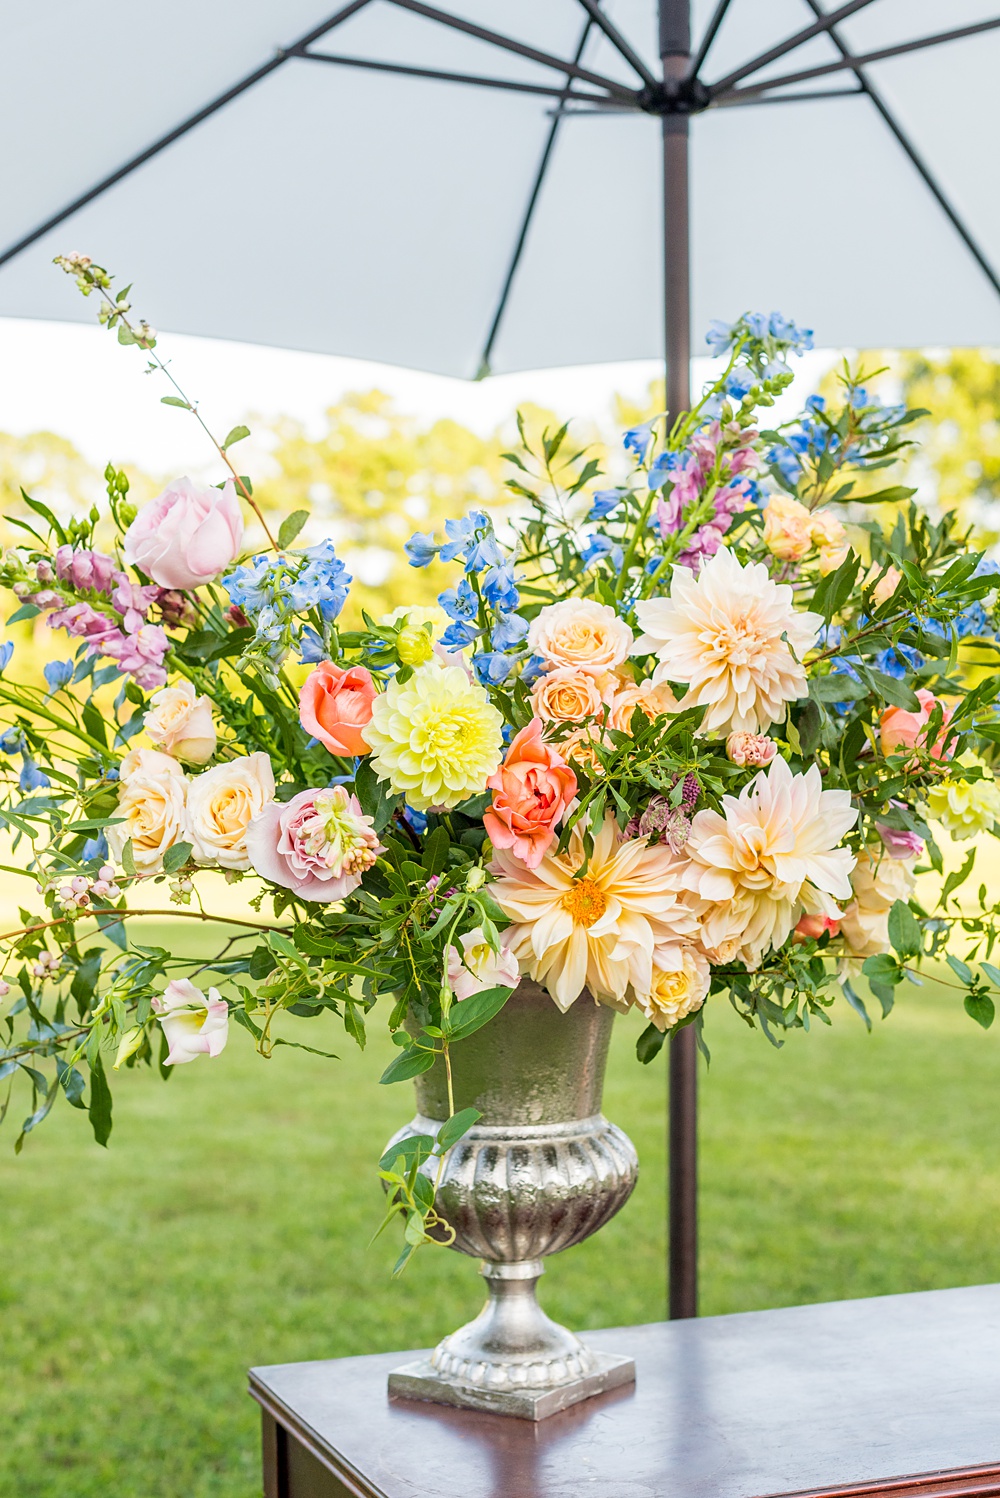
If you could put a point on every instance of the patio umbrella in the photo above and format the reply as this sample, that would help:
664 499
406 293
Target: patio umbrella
482 187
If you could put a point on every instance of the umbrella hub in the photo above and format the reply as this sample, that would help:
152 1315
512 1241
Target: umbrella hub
675 96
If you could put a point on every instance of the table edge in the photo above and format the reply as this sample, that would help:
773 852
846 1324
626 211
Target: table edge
956 1482
354 1481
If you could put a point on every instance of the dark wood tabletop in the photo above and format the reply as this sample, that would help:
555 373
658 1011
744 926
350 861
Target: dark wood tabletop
898 1395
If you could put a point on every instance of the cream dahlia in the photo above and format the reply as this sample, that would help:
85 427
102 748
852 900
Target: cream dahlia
436 736
751 872
598 931
735 637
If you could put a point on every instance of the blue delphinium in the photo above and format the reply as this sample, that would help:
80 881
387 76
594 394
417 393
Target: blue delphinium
12 741
460 602
95 849
897 659
459 634
599 546
604 502
6 651
492 667
637 440
421 549
500 589
509 631
31 777
311 647
272 591
58 674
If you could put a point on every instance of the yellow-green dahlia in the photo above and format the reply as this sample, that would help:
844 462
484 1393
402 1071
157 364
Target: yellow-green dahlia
436 737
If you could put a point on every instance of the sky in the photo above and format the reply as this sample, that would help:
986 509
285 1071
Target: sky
78 382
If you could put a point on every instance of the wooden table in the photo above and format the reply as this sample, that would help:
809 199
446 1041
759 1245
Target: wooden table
895 1396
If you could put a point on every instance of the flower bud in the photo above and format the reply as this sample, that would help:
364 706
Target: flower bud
414 646
475 878
129 1044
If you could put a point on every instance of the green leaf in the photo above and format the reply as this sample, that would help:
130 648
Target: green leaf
292 524
833 591
980 1007
837 687
436 851
94 824
26 611
471 1014
71 1081
452 1129
960 969
100 1107
855 1002
378 799
85 977
95 723
892 495
278 942
262 962
409 1063
891 690
882 968
236 435
175 400
414 1149
904 930
958 876
46 514
993 973
650 1044
176 857
128 859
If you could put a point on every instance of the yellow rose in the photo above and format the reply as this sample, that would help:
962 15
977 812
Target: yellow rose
787 528
582 633
678 987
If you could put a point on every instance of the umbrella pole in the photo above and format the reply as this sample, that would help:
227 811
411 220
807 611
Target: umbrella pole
675 52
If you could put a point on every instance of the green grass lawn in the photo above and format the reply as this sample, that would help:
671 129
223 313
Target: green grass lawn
227 1225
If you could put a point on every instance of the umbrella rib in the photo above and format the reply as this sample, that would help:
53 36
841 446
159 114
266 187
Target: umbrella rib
549 90
620 43
508 44
736 98
756 63
515 259
698 61
282 56
898 50
930 181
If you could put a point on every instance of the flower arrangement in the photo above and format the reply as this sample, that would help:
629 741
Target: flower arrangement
695 733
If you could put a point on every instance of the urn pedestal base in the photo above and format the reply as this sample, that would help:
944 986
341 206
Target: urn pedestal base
512 1359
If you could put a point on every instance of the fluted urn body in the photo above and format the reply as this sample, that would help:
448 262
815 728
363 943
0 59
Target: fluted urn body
542 1170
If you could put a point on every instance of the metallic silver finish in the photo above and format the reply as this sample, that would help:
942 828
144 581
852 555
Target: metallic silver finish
543 1170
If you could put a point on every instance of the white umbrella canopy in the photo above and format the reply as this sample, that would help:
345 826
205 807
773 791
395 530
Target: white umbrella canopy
351 210
466 187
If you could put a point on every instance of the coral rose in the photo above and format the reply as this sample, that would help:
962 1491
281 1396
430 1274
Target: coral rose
531 792
900 729
187 535
334 706
580 632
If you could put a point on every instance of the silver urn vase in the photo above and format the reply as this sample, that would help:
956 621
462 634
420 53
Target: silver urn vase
542 1170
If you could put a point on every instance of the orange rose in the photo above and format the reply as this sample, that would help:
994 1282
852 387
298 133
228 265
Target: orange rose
899 729
334 706
531 792
568 694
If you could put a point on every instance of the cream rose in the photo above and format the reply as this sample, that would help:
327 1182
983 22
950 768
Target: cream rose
221 803
652 698
148 762
580 632
569 694
151 805
180 723
787 528
878 882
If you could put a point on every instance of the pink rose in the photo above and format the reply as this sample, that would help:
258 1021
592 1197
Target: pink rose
900 729
814 926
334 706
531 792
187 535
318 844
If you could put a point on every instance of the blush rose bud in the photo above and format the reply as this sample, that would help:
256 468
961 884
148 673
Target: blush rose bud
753 750
187 535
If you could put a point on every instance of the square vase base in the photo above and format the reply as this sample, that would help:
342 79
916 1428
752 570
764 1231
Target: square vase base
420 1381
